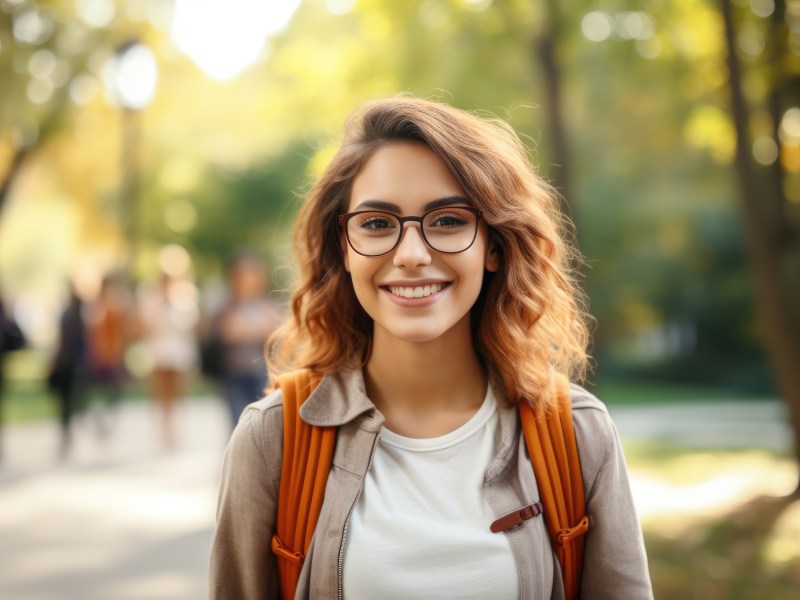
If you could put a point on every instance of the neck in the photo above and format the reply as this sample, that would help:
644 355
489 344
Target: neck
424 378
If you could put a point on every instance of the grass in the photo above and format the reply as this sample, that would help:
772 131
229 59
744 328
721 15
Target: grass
20 404
645 392
718 524
25 396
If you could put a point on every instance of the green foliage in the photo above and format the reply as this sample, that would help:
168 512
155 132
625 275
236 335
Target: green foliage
254 207
646 118
625 392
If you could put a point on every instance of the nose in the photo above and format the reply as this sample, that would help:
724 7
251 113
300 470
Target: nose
412 251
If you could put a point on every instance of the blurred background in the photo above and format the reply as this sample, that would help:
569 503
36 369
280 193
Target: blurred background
153 154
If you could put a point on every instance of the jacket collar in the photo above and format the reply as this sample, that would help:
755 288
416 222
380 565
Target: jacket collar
506 454
340 398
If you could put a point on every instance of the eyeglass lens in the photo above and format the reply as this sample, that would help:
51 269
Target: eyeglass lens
449 229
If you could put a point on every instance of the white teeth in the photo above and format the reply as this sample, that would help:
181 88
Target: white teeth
416 292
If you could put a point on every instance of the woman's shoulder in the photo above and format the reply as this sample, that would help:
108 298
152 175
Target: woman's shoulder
585 404
595 433
268 404
264 415
259 433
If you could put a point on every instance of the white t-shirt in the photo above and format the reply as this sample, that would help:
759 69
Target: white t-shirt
421 526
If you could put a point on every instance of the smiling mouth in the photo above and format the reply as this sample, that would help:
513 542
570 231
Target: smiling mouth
420 291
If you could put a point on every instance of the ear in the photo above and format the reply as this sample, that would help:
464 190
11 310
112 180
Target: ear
491 261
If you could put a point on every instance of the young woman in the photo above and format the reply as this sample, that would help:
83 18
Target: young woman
435 294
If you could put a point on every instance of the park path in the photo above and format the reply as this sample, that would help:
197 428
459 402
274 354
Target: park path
735 424
123 519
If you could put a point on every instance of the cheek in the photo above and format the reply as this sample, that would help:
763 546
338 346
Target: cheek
361 272
482 259
470 273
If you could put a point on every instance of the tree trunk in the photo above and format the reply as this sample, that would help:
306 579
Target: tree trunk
14 167
763 251
560 175
47 125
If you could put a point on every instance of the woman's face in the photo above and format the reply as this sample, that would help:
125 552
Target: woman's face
404 179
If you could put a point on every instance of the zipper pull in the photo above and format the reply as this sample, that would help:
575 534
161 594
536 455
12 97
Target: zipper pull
516 518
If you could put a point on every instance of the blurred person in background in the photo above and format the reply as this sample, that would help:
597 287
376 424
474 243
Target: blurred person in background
11 338
106 319
3 352
240 330
69 368
169 314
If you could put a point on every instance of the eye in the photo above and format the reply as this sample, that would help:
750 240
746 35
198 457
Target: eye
447 220
376 224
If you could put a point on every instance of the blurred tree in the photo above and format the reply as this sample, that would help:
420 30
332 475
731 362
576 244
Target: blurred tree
252 207
640 88
653 195
52 53
60 130
772 235
546 50
34 83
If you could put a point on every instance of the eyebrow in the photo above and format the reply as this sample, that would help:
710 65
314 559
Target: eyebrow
390 207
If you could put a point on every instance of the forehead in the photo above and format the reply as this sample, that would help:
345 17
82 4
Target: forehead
406 174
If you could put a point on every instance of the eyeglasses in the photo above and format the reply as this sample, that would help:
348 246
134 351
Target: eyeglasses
450 230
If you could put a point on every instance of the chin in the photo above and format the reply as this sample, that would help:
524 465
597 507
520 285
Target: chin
416 335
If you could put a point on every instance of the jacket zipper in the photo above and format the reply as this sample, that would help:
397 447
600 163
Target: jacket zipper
350 513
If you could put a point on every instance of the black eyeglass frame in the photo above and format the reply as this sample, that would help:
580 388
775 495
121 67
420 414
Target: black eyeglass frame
343 219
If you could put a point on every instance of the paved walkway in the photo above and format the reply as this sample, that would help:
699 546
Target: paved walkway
122 519
707 424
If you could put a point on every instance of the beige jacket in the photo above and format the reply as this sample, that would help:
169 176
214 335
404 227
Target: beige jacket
242 564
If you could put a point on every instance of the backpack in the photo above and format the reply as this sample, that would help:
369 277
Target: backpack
308 451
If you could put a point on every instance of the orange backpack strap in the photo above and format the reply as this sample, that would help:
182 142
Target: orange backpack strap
550 437
307 455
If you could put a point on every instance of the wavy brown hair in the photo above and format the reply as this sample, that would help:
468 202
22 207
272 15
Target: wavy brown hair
528 321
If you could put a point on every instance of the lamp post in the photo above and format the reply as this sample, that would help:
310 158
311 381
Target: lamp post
135 79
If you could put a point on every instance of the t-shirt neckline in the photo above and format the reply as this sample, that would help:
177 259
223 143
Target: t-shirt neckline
475 423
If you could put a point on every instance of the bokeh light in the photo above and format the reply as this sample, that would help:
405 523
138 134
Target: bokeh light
597 26
175 261
790 126
765 150
96 13
32 25
762 8
752 40
134 74
238 28
340 7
